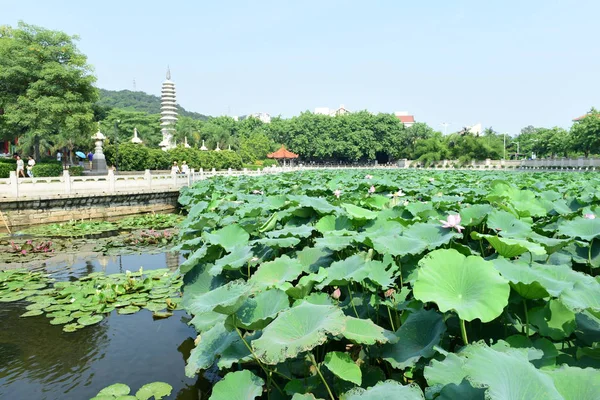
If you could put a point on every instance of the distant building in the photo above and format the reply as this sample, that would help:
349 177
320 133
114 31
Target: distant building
264 117
406 119
332 112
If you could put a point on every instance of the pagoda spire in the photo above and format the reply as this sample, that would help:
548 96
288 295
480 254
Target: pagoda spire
168 73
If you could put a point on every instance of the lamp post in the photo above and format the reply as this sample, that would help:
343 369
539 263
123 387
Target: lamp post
117 144
445 125
504 156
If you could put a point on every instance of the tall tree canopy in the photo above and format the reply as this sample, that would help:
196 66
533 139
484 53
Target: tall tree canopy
46 88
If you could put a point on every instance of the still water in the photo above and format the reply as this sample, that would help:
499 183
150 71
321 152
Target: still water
40 361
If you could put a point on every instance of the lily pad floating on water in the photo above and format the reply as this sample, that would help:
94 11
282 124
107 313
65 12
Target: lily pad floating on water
117 389
61 320
90 320
161 314
156 389
128 310
72 327
32 313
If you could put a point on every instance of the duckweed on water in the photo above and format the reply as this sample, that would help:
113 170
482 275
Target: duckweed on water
86 301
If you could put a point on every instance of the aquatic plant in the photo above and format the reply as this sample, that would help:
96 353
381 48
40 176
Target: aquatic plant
369 298
156 390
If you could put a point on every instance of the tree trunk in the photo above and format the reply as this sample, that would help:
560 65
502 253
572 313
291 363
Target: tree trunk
36 148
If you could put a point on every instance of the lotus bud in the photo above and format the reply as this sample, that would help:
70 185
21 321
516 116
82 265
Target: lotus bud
336 293
390 292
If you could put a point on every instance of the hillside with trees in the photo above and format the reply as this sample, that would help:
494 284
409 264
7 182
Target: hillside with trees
139 101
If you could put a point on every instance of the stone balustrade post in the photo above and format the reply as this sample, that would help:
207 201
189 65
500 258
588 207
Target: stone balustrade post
192 177
245 171
111 180
14 183
67 180
148 178
201 173
228 171
214 171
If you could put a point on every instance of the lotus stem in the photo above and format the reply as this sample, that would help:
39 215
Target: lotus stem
352 301
590 253
391 319
463 332
526 318
312 359
267 372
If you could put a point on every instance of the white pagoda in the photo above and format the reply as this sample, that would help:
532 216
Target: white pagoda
168 113
135 139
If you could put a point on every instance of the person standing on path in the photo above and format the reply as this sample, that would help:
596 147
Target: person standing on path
90 157
175 168
30 164
20 167
184 168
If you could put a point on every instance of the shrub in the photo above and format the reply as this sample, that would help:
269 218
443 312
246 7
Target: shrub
131 157
47 169
5 169
157 159
76 171
8 161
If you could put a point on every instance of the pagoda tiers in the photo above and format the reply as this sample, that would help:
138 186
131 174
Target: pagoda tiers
168 113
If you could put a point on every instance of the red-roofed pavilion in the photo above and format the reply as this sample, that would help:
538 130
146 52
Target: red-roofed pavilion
282 154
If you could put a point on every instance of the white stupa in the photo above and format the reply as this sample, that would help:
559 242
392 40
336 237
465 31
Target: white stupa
135 139
185 143
168 113
204 148
217 149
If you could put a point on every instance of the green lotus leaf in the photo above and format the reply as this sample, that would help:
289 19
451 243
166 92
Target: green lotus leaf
386 390
583 295
90 320
61 320
211 345
128 310
434 235
588 327
236 259
507 375
299 329
417 336
508 247
359 213
193 259
342 272
318 204
422 210
382 273
474 214
238 385
576 383
579 227
156 389
71 327
550 353
342 366
305 396
526 204
155 306
448 371
204 321
276 272
551 245
237 351
312 258
258 311
470 285
302 231
32 313
462 391
507 225
278 242
228 237
365 331
523 278
225 299
117 389
335 242
554 320
331 223
397 245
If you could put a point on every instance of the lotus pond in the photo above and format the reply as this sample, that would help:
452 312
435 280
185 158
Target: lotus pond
395 285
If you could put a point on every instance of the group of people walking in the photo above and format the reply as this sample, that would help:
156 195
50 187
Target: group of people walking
183 170
21 166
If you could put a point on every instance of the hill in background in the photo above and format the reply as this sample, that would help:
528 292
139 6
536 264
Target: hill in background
139 101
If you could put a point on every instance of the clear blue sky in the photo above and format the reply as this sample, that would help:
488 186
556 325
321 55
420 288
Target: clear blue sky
506 64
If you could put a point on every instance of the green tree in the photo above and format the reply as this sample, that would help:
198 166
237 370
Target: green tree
586 133
46 88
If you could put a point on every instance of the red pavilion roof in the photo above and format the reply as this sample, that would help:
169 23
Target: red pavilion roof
282 153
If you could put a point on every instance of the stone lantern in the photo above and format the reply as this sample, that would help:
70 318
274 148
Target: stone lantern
99 161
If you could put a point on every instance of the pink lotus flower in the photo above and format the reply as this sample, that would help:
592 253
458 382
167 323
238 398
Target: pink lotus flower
257 192
368 176
390 292
589 216
453 222
372 189
337 193
336 293
24 252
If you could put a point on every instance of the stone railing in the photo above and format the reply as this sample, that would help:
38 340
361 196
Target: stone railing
581 163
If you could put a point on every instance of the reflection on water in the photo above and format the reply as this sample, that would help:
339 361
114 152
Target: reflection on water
40 361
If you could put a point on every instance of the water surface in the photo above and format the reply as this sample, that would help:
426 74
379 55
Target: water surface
40 361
